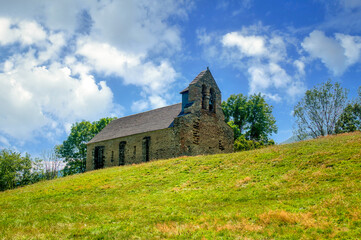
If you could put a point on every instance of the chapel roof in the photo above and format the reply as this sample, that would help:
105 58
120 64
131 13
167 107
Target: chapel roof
200 75
156 119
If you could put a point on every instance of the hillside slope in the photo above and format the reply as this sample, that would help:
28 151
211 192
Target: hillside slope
309 189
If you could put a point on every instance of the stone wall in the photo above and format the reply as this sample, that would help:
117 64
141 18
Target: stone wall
192 134
200 129
203 133
162 146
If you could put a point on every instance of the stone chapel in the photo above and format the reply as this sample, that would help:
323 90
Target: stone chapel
195 126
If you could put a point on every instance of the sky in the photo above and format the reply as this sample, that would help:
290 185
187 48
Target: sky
66 61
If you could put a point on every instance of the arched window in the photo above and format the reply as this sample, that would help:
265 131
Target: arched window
212 101
204 97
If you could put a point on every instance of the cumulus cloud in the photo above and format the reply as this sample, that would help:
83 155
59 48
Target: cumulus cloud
265 76
154 79
36 96
137 26
48 83
248 45
351 46
263 55
25 32
337 53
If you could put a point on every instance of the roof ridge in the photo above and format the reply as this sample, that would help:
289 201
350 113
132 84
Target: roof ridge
196 79
147 111
155 119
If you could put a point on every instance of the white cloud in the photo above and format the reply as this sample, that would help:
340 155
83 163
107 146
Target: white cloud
300 66
248 45
263 77
36 96
154 80
25 32
327 49
337 53
48 86
137 26
107 58
53 46
203 37
296 88
352 47
263 54
140 105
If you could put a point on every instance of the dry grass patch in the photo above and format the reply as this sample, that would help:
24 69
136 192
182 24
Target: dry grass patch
174 228
243 225
243 182
283 217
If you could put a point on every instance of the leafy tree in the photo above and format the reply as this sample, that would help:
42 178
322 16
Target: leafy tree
350 119
249 117
74 150
261 122
15 170
319 110
235 112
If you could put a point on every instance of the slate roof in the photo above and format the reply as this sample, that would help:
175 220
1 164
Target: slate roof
200 75
156 119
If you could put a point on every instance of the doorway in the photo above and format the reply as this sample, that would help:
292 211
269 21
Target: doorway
99 157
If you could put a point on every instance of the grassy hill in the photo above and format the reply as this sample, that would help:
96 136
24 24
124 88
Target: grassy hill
307 190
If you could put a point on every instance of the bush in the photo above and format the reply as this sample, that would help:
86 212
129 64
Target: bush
243 144
15 170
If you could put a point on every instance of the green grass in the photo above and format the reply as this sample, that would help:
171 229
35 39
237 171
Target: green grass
305 190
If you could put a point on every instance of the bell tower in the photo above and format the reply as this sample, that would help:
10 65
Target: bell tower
202 95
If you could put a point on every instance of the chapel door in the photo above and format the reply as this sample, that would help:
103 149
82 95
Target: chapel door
99 157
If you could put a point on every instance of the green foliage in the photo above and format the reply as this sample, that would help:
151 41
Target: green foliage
350 119
319 110
242 144
74 150
250 118
260 119
236 111
15 170
236 130
304 190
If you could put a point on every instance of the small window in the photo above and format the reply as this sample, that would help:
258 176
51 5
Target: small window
122 153
146 145
135 152
204 97
212 101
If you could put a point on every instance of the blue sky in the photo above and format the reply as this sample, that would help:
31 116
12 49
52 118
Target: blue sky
67 61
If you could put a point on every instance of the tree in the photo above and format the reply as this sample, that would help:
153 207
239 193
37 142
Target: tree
261 122
350 119
249 117
15 170
235 112
319 110
74 150
51 164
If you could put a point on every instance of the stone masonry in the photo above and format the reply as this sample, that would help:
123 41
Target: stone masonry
194 127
